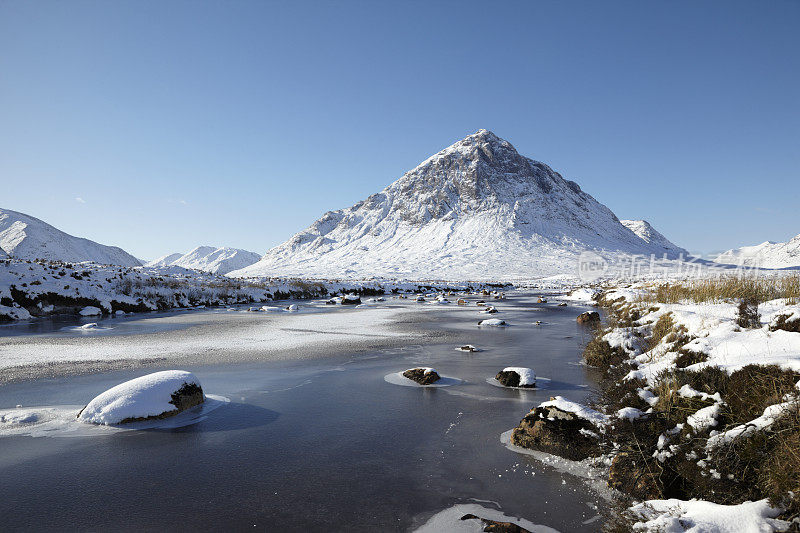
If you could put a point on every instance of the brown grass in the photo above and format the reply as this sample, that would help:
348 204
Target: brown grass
732 288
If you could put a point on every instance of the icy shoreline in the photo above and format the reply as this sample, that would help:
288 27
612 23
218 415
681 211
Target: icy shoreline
218 338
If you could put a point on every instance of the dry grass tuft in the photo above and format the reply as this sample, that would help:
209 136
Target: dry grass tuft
755 289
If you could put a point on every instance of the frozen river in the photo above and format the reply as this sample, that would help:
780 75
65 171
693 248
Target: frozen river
307 442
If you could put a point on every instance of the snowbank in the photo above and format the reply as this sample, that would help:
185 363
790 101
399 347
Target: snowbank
698 516
159 394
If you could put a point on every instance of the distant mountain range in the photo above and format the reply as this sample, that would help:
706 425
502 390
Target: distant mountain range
765 255
476 210
209 259
26 237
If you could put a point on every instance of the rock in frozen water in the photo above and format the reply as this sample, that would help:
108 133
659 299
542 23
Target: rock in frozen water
157 395
423 376
517 377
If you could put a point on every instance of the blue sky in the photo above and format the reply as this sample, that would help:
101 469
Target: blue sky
158 126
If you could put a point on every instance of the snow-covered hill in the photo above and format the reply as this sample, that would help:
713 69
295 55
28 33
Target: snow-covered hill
765 255
26 237
648 234
164 261
476 210
209 259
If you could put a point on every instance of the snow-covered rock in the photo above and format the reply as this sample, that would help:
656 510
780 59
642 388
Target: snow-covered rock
90 310
765 255
496 322
209 259
515 376
156 395
422 375
476 210
351 299
26 237
561 427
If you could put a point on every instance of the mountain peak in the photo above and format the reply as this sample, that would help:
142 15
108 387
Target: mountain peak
475 210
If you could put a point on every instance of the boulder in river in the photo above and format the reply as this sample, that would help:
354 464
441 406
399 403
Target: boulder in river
589 317
154 396
517 377
423 376
468 348
562 304
496 526
562 428
496 322
351 299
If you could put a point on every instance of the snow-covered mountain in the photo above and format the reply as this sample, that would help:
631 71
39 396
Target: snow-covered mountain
26 237
765 255
164 260
476 210
209 259
648 234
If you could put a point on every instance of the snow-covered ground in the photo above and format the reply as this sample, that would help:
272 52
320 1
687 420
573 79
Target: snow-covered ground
715 333
698 516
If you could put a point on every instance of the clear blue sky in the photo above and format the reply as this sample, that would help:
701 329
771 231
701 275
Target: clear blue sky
158 126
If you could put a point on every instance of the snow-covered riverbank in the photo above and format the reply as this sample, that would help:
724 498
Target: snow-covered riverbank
42 288
701 402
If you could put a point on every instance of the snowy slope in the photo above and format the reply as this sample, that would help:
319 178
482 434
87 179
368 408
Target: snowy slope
476 210
648 234
26 237
165 260
209 259
765 255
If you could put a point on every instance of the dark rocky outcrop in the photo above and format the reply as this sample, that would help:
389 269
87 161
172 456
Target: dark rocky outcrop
351 299
496 526
589 317
552 430
422 376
